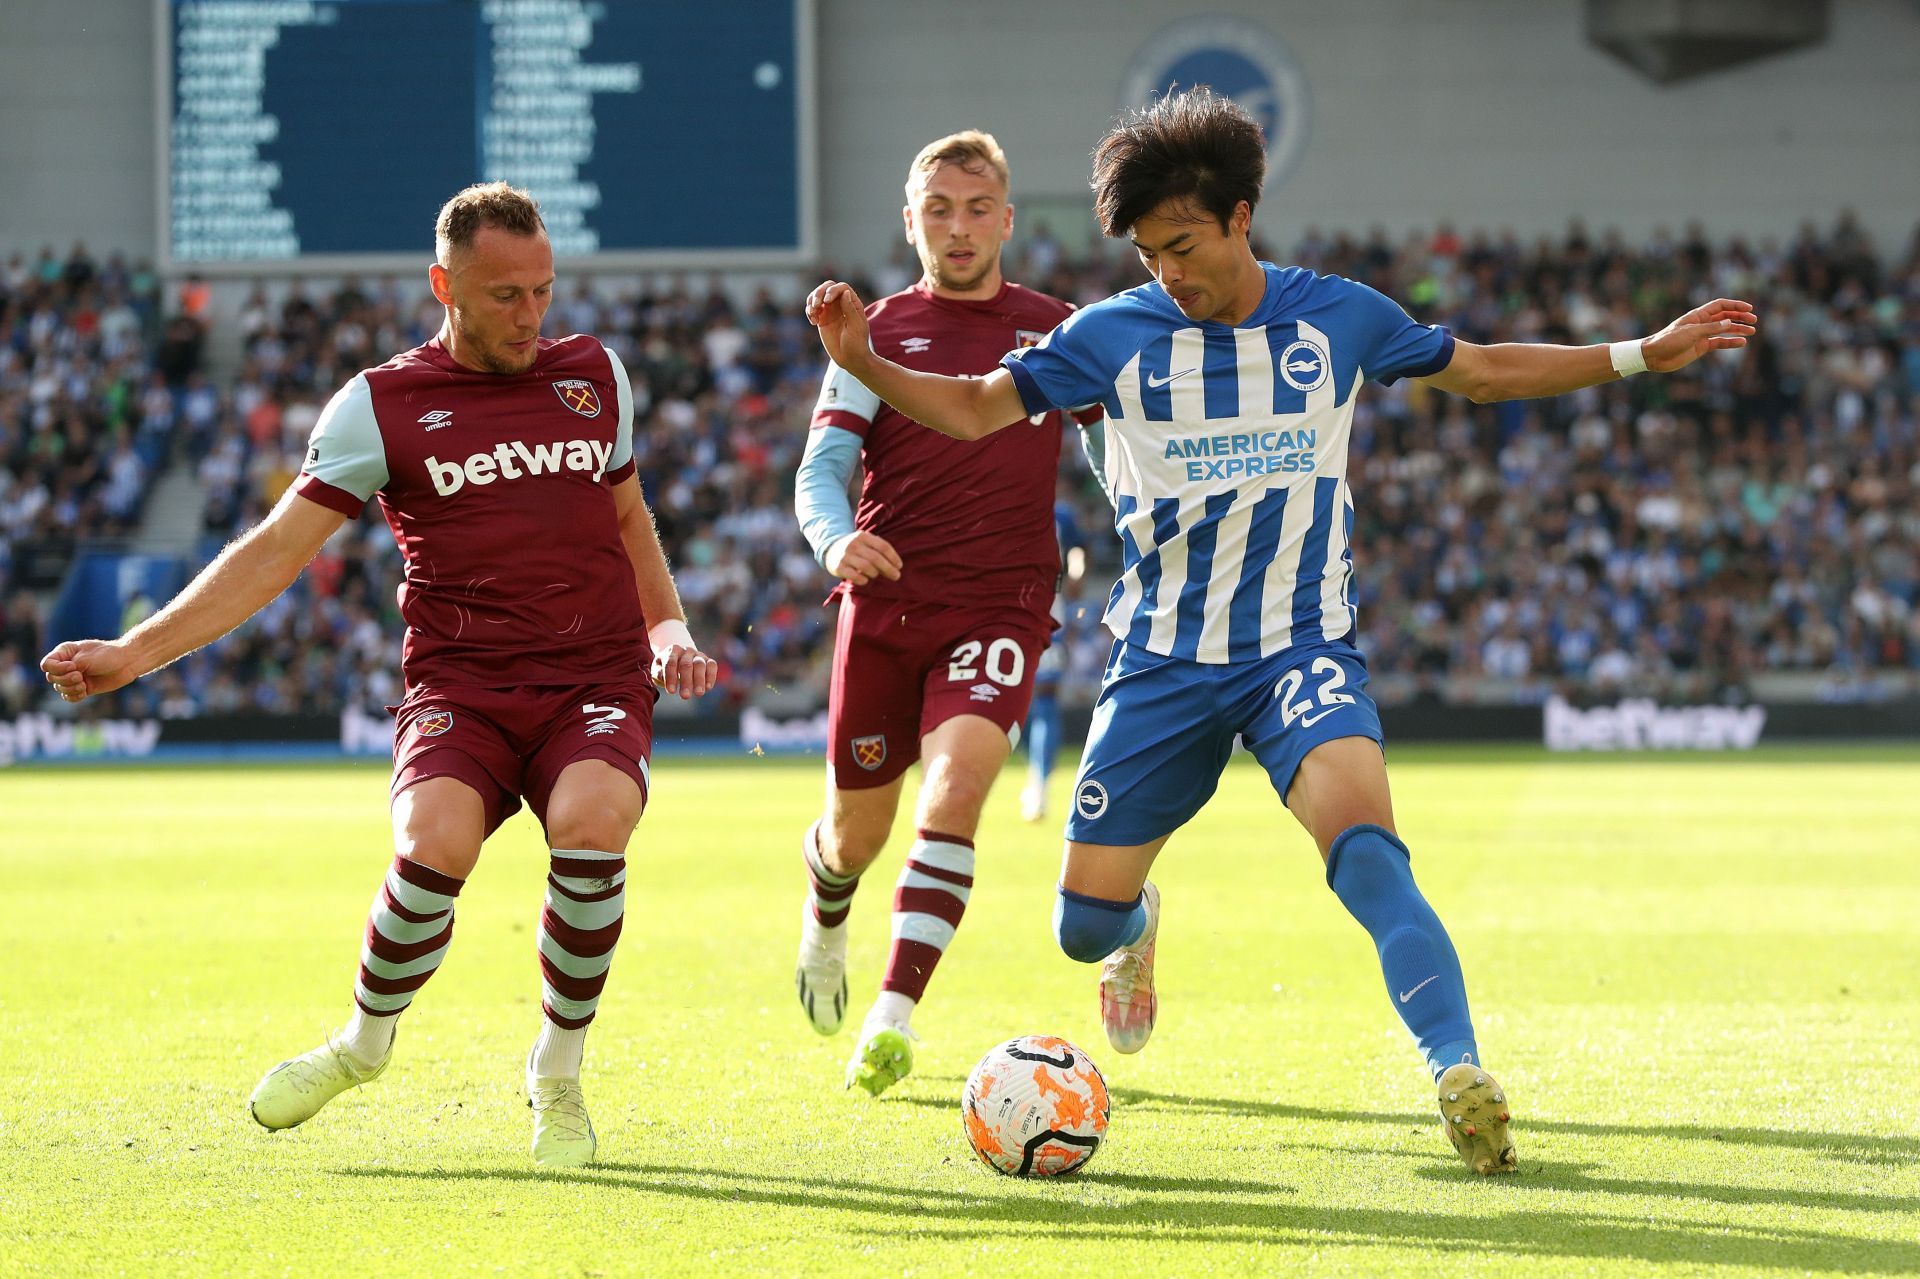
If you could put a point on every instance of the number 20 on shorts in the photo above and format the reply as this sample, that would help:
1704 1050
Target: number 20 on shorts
1006 663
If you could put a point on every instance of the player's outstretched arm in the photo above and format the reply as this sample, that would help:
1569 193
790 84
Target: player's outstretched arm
253 569
964 407
678 665
1524 370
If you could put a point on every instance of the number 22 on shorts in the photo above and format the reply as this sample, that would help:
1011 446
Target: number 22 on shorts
1327 696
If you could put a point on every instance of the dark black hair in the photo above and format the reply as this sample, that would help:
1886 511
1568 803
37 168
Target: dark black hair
1194 145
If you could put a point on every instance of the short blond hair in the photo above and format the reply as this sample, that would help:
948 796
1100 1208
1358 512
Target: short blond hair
971 149
484 204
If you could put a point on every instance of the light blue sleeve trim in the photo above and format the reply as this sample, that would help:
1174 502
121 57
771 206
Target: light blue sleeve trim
820 488
623 428
345 449
842 392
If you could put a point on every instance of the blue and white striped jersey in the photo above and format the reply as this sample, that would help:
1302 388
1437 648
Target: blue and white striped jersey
1227 453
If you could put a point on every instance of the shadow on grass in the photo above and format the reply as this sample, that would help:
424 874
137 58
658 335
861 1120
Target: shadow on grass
1164 1209
1549 1175
1854 1147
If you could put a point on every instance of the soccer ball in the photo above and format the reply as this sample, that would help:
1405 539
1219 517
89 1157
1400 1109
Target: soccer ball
1035 1107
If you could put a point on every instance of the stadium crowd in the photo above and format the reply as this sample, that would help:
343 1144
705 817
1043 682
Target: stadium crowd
1674 535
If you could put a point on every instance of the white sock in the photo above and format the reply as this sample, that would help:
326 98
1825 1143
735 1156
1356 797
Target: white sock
891 1008
368 1038
557 1053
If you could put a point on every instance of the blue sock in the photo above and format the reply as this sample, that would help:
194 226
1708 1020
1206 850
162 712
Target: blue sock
1370 871
1043 735
1091 928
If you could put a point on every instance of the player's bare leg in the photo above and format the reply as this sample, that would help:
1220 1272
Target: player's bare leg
1107 906
836 849
590 817
962 756
1340 794
438 825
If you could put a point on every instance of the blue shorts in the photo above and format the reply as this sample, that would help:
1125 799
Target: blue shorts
1163 728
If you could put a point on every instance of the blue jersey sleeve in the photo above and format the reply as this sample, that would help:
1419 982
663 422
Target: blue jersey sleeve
1069 368
1392 344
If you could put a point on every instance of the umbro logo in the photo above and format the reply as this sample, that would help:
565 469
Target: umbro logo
983 693
913 346
1157 382
438 418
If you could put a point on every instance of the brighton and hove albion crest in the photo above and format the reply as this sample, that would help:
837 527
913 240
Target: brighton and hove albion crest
870 752
1303 365
578 394
1239 59
433 723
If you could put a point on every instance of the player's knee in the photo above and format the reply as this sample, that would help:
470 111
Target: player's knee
1091 928
1365 853
605 832
582 824
955 793
849 847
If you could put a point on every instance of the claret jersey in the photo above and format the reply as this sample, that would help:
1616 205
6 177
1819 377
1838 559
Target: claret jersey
499 491
971 519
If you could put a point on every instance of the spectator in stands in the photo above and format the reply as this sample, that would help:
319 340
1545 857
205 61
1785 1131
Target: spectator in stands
1681 537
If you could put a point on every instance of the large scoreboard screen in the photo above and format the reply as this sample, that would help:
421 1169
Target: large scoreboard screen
327 133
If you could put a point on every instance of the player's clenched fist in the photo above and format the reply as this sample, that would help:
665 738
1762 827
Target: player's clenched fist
679 666
79 669
860 557
835 309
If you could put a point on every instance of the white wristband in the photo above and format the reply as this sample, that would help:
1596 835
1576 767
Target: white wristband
1627 357
668 633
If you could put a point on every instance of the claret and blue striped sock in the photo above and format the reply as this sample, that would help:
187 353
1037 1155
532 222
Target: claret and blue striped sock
928 902
408 932
829 896
579 927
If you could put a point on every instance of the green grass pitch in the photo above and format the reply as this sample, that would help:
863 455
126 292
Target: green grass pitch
1699 980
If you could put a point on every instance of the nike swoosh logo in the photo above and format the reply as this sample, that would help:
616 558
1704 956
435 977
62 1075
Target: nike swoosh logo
1157 382
1309 721
1405 995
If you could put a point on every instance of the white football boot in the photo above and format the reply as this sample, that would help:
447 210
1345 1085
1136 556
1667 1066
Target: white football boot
295 1090
562 1133
1033 801
820 976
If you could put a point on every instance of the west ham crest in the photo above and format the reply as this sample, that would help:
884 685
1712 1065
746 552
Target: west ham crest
1027 337
578 394
433 723
870 752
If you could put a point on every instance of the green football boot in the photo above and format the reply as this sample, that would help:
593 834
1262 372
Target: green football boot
883 1058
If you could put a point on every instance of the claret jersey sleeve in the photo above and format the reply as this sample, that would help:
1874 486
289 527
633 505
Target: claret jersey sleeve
346 460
